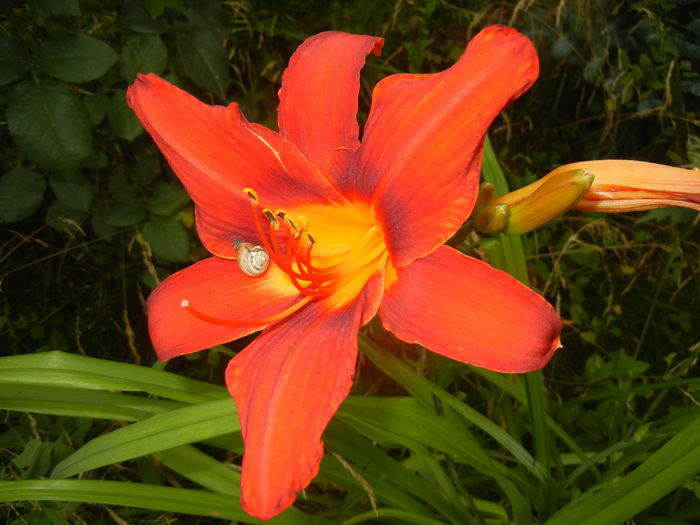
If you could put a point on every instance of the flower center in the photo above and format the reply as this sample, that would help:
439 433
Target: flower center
326 251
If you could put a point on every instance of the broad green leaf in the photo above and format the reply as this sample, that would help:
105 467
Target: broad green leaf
72 189
124 121
167 198
55 7
133 15
665 470
76 58
12 64
142 54
204 59
71 370
50 125
126 213
167 238
63 218
96 107
159 432
21 194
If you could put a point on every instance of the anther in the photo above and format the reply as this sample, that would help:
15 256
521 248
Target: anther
251 193
271 217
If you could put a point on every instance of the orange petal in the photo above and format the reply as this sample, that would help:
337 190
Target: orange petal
421 151
217 153
287 385
464 309
318 99
218 288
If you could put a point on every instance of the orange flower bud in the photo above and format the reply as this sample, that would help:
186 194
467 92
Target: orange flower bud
629 185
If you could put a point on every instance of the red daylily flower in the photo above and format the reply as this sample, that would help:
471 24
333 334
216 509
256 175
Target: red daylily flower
351 229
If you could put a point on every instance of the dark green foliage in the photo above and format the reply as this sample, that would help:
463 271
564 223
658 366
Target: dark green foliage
92 218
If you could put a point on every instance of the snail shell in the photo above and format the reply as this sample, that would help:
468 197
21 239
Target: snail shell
253 260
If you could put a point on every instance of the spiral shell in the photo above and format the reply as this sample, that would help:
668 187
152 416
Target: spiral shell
253 260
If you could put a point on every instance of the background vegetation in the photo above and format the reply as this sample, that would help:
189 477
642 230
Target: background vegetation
91 219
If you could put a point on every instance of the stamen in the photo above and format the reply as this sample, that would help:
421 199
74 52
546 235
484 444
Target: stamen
253 322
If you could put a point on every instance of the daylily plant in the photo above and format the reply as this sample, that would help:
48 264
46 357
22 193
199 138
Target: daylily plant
313 232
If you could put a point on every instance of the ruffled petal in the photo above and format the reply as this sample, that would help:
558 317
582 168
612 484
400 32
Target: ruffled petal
287 385
421 151
466 310
318 99
217 153
218 288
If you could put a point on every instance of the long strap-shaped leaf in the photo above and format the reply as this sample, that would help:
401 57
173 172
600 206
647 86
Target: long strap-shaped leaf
76 371
159 432
142 495
668 468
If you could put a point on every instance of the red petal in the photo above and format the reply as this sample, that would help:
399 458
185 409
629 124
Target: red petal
466 310
217 153
218 288
287 385
420 153
318 99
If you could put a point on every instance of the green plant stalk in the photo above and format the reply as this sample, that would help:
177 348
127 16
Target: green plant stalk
515 264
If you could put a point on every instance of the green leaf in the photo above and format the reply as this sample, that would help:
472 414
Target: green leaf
96 107
76 58
12 63
195 465
142 495
66 401
143 54
167 198
130 494
668 468
72 189
168 239
126 213
21 194
204 60
55 7
70 370
124 121
49 123
159 432
64 218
